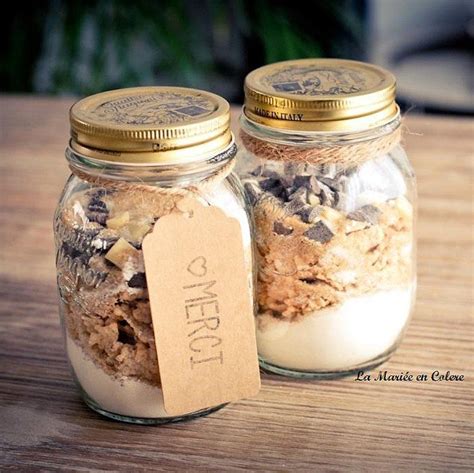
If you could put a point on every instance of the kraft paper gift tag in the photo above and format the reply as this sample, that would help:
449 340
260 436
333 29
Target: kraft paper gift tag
202 308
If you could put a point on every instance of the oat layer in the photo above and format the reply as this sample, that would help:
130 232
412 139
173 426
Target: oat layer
313 252
299 274
105 303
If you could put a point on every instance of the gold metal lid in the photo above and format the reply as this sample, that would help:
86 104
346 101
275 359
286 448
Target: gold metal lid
320 95
150 125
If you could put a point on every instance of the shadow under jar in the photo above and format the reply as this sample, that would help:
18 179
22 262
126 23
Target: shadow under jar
333 197
134 154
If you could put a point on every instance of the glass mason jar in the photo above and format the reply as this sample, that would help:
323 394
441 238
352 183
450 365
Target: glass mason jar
333 198
108 206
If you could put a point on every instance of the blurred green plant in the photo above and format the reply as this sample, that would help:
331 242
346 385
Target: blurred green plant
82 47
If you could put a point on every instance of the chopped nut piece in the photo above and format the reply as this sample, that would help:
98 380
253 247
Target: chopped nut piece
354 226
313 199
274 186
138 280
319 232
97 210
287 182
295 206
269 183
138 230
281 229
367 213
309 214
300 193
309 182
404 206
98 217
97 205
327 195
253 191
331 183
297 192
120 253
118 221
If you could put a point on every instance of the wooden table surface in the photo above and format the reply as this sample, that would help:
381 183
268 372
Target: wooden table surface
339 425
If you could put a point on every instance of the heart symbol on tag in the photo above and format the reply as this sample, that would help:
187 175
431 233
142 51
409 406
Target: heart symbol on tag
198 266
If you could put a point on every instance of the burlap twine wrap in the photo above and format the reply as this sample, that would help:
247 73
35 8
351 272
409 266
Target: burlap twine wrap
346 155
195 189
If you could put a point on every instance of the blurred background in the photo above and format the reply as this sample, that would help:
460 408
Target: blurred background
82 47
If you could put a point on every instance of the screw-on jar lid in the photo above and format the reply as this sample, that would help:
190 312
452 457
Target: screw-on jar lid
151 125
320 95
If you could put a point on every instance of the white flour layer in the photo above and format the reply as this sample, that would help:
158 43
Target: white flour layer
127 397
358 330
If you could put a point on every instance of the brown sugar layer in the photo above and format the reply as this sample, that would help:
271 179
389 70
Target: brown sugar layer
313 254
102 278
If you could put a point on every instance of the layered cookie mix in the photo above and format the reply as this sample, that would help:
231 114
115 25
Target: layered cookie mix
102 278
326 244
134 154
103 288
